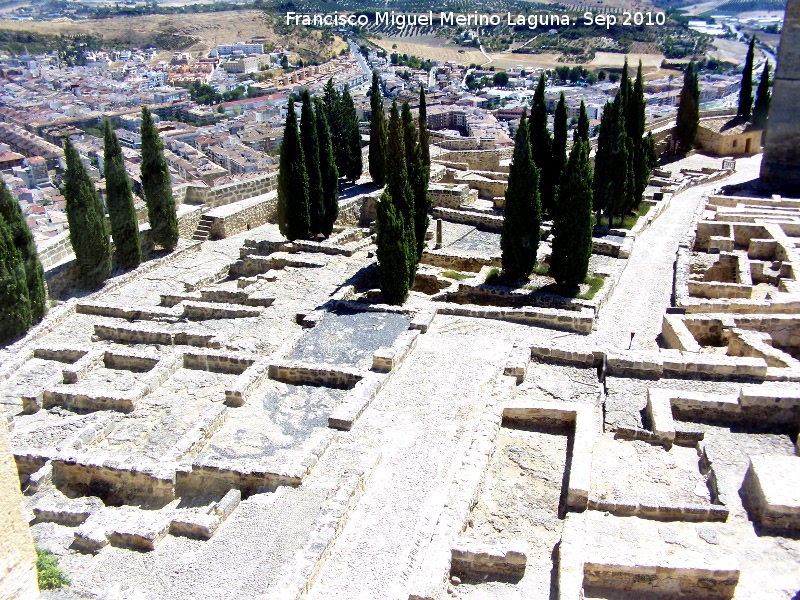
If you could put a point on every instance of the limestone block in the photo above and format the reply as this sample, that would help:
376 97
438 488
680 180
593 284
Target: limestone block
92 535
659 411
40 477
195 525
626 362
677 335
66 511
759 396
422 320
76 371
772 491
474 558
228 504
517 364
720 243
249 380
143 533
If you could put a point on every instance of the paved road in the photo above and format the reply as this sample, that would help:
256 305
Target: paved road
643 293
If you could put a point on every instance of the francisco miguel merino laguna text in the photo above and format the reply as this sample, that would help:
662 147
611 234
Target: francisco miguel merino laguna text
473 19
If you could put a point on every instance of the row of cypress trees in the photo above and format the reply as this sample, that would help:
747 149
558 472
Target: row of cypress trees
400 156
571 212
625 156
22 294
543 180
308 176
88 229
345 133
746 111
688 118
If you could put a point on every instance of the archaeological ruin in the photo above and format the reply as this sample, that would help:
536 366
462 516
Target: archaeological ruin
244 417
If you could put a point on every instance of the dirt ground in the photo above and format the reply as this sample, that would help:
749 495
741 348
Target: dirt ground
520 500
437 49
219 27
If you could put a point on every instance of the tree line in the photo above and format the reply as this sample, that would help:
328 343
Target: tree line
325 146
22 296
399 158
545 181
688 118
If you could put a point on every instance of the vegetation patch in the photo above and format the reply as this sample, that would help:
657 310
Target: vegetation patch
455 275
48 573
595 283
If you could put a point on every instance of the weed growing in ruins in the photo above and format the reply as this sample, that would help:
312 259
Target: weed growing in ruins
595 283
48 573
455 275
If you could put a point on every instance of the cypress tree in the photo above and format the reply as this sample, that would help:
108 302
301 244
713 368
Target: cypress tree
292 209
15 305
622 176
582 130
650 151
541 147
392 251
119 200
572 228
328 170
22 238
352 139
88 231
157 186
400 190
310 143
746 92
763 99
424 134
333 110
559 140
416 179
635 122
688 110
377 135
603 161
522 216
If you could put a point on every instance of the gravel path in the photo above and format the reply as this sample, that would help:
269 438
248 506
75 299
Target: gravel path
643 292
418 422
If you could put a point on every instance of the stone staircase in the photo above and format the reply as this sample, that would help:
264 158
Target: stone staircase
203 229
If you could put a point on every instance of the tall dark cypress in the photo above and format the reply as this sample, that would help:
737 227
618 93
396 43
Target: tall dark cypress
522 217
559 158
400 190
88 231
416 179
377 134
119 201
392 251
23 240
157 186
15 305
328 170
352 138
763 99
621 192
310 143
635 122
745 109
603 161
688 118
582 130
332 100
424 134
541 147
292 209
572 228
